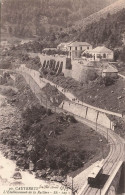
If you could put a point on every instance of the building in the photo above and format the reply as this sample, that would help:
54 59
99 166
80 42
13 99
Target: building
63 46
77 48
110 71
99 53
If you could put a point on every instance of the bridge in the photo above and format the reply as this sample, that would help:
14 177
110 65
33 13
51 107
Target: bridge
116 157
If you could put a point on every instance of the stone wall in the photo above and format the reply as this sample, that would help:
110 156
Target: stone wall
56 63
78 70
81 68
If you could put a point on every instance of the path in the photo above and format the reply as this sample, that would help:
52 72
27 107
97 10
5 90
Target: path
36 76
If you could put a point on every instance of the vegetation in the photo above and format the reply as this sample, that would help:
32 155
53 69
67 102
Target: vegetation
107 31
31 17
54 52
51 141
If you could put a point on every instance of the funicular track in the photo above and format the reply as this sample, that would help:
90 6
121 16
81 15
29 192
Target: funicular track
117 144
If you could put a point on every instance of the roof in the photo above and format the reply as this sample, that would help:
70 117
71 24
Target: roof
110 69
96 169
64 44
46 49
102 49
87 51
76 43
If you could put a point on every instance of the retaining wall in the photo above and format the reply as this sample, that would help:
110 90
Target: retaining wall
82 110
88 113
80 71
60 62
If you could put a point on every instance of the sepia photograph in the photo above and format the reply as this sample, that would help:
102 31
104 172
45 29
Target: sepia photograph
62 97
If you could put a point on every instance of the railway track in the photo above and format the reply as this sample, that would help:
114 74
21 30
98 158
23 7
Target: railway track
115 155
116 143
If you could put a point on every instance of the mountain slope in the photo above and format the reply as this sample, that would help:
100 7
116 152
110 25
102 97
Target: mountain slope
38 17
109 32
112 9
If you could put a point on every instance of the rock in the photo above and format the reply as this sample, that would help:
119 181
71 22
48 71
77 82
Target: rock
54 178
13 157
48 177
40 173
17 169
59 179
31 166
39 164
7 127
20 162
120 97
17 175
112 91
21 152
48 171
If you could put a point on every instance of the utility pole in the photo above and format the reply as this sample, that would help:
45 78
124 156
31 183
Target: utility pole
101 148
97 119
46 98
107 134
100 190
72 187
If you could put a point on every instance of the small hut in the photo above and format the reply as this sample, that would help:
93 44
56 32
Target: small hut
110 72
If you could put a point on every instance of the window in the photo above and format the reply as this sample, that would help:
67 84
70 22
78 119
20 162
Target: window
98 56
87 47
75 48
70 48
80 48
104 55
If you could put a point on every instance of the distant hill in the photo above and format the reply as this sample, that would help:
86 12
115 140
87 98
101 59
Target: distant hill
27 18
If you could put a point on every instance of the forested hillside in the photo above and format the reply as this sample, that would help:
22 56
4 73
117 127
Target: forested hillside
26 18
108 31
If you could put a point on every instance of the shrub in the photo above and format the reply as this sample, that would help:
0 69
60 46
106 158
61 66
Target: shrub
61 74
45 72
52 73
49 112
108 81
35 114
5 65
91 75
71 119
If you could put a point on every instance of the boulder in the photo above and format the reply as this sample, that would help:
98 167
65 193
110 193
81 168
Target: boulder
59 179
20 162
17 175
40 173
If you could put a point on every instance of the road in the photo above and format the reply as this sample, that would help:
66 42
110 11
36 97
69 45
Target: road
35 74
